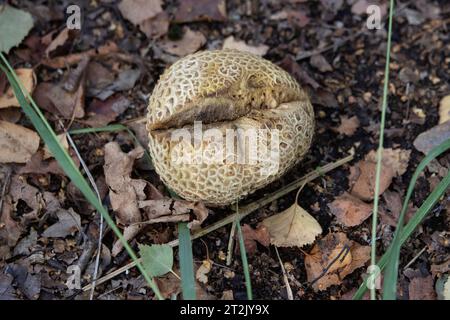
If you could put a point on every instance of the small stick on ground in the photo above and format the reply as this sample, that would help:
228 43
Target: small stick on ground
285 278
244 211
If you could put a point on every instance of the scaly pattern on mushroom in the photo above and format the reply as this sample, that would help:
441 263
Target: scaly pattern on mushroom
228 91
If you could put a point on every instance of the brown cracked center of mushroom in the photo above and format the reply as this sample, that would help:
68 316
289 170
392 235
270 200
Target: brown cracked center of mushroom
205 101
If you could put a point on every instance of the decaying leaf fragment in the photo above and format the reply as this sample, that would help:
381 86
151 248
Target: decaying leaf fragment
332 259
292 227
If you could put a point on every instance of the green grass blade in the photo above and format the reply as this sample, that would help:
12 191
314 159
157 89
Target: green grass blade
186 262
391 273
421 213
380 147
248 283
65 161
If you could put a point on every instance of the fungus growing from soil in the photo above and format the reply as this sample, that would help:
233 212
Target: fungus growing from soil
225 123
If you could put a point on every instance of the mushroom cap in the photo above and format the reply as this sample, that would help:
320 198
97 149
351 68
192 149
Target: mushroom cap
225 123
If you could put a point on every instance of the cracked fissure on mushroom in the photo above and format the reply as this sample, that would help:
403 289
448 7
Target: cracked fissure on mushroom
226 90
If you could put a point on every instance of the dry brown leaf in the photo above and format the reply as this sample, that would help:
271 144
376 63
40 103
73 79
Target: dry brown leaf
251 236
444 109
27 78
59 40
348 125
396 159
54 98
433 137
390 209
333 258
11 230
68 222
74 58
17 143
232 43
201 10
170 210
136 11
319 62
124 191
202 272
190 43
362 174
19 189
155 27
422 288
349 210
292 227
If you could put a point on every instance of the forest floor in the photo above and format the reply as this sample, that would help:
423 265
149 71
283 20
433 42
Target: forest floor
105 73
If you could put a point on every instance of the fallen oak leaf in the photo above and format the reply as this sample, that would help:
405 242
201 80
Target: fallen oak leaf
292 227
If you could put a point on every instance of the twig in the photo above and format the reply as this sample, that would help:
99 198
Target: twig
285 278
244 211
415 258
345 250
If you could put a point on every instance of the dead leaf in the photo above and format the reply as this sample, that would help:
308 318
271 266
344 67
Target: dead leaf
444 109
27 78
68 222
74 58
103 112
360 7
290 65
7 291
190 43
227 295
333 258
251 236
59 40
124 191
201 10
391 208
17 143
433 137
202 272
348 125
10 230
155 27
349 210
136 11
19 189
125 81
362 174
232 43
292 227
319 62
55 99
12 114
171 210
422 288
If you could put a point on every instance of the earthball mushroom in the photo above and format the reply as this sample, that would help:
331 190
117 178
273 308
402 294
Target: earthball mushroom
225 123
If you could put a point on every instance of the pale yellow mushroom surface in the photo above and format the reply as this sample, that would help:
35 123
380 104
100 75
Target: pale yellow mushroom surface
225 123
